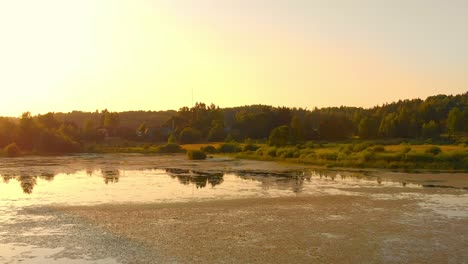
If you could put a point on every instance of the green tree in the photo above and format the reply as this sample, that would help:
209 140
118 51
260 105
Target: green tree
368 128
189 135
112 120
48 121
388 125
455 121
89 130
430 130
279 136
216 133
335 127
297 130
28 132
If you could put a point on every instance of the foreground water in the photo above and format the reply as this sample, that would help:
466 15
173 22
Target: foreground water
31 185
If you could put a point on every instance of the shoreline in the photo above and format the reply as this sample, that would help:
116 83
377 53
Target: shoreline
415 170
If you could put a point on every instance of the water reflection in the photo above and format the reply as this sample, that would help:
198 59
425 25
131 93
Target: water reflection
27 182
110 175
293 180
290 180
199 178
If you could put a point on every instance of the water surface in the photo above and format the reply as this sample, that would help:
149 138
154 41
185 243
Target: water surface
33 184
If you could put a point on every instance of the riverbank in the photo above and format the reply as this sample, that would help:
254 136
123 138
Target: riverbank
401 157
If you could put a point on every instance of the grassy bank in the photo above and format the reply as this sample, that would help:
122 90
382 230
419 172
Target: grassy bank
364 154
401 157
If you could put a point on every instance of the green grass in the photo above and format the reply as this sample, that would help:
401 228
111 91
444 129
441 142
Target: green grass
393 155
367 155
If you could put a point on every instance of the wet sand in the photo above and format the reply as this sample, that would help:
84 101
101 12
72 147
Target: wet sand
314 229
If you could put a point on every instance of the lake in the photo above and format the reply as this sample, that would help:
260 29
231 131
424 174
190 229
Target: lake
36 194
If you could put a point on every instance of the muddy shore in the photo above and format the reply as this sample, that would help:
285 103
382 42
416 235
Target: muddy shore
316 229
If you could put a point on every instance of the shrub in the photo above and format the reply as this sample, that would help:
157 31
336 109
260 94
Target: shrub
12 150
285 152
360 147
250 147
379 149
208 149
419 157
259 152
271 152
171 139
367 156
406 149
196 155
390 157
328 156
229 148
433 150
170 148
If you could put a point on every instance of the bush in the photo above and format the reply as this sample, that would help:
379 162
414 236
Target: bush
171 139
271 152
389 157
309 144
379 149
328 156
208 149
367 156
170 148
229 148
433 150
360 147
419 157
12 150
406 149
288 153
250 147
196 155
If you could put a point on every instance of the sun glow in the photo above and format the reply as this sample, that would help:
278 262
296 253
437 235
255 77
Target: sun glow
84 55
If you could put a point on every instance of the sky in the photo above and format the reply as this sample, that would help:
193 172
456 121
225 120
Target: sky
63 55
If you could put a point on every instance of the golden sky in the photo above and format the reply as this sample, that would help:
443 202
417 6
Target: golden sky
60 55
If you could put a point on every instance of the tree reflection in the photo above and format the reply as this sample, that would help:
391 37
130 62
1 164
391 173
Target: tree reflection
110 175
293 180
7 178
200 179
27 183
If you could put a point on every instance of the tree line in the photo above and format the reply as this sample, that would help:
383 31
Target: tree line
429 119
435 117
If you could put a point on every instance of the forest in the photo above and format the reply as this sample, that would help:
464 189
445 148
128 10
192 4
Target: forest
437 119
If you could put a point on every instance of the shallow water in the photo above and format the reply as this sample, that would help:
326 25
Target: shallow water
39 182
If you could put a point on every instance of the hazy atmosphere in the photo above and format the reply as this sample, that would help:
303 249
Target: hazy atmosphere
233 131
130 55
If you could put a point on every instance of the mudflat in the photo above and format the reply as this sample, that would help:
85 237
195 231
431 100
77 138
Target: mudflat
310 229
